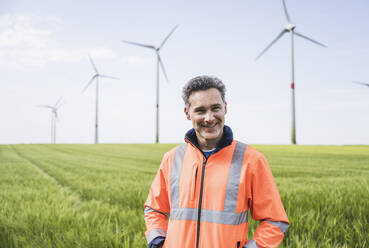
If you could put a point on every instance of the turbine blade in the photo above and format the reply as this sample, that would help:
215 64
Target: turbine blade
57 102
362 83
166 38
45 106
93 64
274 41
139 44
61 104
162 68
106 76
285 12
309 39
89 83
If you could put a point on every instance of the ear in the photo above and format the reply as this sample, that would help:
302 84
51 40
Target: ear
187 113
225 108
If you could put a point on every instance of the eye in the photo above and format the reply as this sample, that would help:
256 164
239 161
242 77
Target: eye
199 110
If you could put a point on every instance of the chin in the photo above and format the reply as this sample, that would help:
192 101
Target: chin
211 136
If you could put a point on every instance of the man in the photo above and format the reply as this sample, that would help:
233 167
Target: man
207 186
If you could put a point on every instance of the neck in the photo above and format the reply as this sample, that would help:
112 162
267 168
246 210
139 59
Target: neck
205 144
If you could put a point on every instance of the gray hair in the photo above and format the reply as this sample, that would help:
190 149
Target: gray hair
202 83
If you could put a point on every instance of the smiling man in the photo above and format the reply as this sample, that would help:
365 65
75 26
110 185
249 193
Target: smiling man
204 189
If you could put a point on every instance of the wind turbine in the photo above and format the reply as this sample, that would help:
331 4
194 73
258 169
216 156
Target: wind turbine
54 118
365 84
158 65
96 78
290 27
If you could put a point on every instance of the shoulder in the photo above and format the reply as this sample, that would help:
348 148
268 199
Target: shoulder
251 152
254 153
175 150
169 156
254 158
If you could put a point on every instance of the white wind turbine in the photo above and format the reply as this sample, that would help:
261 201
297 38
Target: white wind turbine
96 79
158 65
54 118
357 82
290 27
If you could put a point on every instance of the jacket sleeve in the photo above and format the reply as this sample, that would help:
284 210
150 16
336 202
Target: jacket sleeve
157 208
266 206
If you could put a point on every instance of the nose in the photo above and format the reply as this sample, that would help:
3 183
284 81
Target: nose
209 116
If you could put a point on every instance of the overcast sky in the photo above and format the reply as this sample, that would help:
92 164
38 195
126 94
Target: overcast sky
44 48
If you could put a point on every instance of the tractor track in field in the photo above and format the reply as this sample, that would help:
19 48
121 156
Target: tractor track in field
80 197
46 175
100 154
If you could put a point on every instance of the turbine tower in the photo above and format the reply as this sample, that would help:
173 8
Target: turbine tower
54 118
290 27
357 82
158 65
96 79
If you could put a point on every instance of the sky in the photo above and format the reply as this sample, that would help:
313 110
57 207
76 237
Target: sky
44 47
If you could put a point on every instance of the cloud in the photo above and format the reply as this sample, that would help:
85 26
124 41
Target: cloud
28 41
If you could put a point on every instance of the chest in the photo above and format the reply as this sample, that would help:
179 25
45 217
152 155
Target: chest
216 183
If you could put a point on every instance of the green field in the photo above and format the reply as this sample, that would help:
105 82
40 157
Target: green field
93 195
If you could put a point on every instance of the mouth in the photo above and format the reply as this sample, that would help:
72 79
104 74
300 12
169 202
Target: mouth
212 126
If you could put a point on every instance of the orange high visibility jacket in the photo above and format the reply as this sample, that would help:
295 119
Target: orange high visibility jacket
196 202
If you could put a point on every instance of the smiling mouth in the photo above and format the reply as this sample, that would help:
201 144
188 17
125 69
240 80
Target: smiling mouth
210 127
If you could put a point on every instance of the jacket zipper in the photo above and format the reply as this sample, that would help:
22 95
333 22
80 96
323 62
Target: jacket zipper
200 203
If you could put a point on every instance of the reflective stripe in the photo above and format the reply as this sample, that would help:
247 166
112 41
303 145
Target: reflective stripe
176 174
251 244
283 226
220 217
155 233
149 210
234 177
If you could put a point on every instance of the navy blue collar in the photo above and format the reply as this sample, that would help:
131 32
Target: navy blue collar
226 139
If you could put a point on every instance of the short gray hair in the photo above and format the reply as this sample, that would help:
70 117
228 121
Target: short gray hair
202 83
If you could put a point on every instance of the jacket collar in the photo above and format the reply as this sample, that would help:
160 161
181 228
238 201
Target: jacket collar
226 139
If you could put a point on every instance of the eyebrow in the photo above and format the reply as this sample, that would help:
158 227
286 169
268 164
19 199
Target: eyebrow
202 107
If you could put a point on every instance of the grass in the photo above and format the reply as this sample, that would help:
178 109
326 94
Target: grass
93 195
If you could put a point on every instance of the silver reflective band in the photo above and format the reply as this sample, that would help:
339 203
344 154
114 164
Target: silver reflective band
213 216
281 225
149 210
251 244
176 174
155 233
234 177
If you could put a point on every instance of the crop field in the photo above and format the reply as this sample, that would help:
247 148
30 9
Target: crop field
93 195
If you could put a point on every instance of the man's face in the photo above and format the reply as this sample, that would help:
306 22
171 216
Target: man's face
207 110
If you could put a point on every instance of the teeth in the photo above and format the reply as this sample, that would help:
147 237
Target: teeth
210 126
